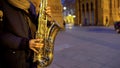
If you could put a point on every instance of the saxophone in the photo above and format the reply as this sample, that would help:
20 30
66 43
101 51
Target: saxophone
48 34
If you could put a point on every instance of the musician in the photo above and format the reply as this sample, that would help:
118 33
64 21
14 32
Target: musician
17 43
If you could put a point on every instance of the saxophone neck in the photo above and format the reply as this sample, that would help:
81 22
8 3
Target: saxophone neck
57 24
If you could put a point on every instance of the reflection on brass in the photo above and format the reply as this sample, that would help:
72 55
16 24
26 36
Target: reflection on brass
44 57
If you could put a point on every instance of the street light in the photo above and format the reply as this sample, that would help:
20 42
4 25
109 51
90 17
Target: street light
64 8
65 12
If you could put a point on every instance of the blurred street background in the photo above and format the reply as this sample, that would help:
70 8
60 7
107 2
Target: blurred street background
87 47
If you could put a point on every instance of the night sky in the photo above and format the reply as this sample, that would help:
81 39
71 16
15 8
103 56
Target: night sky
67 1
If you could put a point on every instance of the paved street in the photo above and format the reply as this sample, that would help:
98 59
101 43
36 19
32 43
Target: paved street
87 47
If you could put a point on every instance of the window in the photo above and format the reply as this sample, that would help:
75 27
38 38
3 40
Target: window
87 6
83 8
92 6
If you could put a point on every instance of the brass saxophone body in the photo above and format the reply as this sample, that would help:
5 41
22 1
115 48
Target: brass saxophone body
48 34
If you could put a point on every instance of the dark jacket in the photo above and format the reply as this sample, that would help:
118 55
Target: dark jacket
14 36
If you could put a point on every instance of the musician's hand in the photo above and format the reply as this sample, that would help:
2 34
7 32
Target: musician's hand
36 44
49 14
48 11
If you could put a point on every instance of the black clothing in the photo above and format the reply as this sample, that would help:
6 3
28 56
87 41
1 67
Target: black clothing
15 34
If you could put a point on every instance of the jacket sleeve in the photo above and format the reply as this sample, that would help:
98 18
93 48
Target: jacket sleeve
10 41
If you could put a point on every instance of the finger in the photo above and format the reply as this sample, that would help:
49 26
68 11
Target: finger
38 40
31 46
39 46
34 50
48 11
48 8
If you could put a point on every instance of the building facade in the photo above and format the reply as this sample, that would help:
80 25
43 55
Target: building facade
97 12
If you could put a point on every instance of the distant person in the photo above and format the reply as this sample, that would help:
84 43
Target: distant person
107 22
70 19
